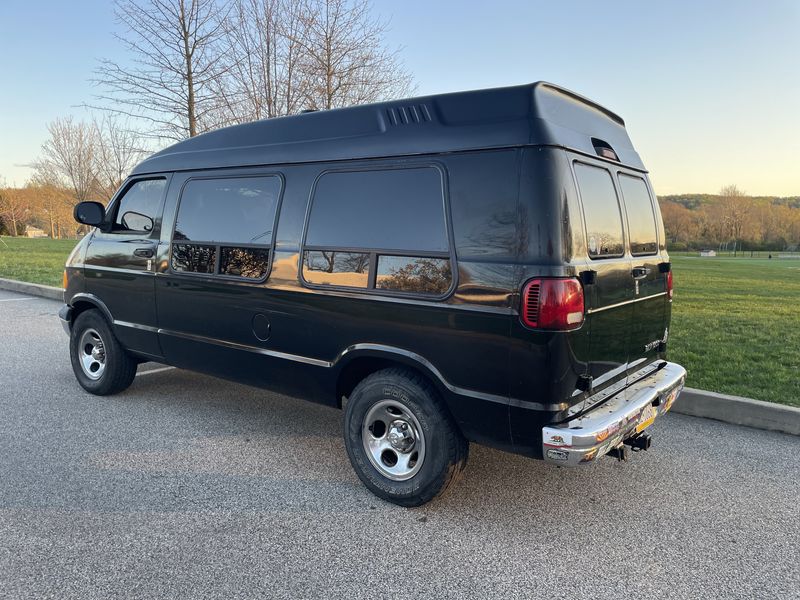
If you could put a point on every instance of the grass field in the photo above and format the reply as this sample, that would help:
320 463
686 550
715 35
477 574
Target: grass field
735 321
736 326
37 261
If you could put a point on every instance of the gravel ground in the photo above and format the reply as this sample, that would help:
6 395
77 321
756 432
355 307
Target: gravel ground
187 486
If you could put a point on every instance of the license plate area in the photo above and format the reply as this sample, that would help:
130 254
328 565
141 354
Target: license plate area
646 419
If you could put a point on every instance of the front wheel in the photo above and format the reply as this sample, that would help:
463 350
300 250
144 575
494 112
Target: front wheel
401 440
99 362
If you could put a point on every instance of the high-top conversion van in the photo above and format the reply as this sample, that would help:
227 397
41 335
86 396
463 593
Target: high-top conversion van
485 266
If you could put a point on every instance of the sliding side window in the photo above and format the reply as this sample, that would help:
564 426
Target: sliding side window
225 227
379 230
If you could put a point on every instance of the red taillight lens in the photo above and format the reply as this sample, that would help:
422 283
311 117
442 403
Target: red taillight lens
669 285
552 304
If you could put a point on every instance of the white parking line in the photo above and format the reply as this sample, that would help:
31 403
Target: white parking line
160 370
17 299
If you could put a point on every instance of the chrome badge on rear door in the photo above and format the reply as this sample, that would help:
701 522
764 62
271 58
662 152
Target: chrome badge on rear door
655 343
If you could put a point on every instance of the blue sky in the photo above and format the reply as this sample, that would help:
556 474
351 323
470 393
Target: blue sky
710 90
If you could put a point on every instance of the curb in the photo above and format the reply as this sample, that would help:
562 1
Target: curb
738 411
32 289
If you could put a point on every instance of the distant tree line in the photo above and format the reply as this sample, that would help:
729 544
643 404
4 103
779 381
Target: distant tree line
694 221
79 161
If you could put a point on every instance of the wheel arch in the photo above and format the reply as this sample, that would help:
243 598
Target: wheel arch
82 302
360 360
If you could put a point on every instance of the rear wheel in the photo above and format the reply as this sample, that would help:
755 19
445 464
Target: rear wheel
402 442
99 362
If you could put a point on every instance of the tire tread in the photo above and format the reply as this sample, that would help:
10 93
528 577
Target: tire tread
455 443
120 367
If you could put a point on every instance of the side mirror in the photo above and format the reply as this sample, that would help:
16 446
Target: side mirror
135 221
90 213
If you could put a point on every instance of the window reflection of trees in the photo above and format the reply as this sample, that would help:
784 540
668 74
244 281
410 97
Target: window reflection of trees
251 263
193 258
398 273
331 261
603 243
330 267
419 275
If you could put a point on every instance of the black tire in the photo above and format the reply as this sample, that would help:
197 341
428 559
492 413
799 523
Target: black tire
444 448
118 367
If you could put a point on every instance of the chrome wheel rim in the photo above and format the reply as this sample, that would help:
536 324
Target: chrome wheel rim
393 440
92 354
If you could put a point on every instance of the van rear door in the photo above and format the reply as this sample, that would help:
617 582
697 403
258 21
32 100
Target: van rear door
609 298
650 314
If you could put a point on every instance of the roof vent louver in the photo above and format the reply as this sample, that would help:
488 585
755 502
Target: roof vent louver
408 114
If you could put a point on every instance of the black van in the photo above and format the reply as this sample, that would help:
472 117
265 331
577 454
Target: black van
482 266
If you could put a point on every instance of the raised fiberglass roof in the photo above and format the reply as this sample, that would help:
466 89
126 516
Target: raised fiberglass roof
532 114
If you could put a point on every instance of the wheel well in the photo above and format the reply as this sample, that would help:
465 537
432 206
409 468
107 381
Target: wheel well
81 306
359 368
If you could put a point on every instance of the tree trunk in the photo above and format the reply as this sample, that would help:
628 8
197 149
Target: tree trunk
187 55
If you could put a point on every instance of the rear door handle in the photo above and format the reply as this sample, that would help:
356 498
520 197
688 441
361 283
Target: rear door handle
144 252
640 272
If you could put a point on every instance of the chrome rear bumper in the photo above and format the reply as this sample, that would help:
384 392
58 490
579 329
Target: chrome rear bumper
583 439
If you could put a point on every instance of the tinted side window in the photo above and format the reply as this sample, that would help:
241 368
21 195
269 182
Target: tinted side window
397 209
600 211
379 230
138 208
641 218
240 210
225 226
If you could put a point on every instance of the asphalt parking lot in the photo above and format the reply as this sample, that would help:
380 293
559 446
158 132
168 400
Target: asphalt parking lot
187 486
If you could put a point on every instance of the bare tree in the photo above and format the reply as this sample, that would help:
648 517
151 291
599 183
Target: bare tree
345 58
199 64
69 156
735 210
118 150
263 63
175 65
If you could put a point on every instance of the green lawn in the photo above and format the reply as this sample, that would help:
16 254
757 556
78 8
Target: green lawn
37 261
736 326
735 321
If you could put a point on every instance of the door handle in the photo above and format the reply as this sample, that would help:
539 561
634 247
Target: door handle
640 272
144 253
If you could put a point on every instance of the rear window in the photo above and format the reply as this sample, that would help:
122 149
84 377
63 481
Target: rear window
381 230
641 216
600 211
225 226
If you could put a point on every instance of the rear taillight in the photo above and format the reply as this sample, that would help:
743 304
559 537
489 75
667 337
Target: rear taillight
669 285
552 303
